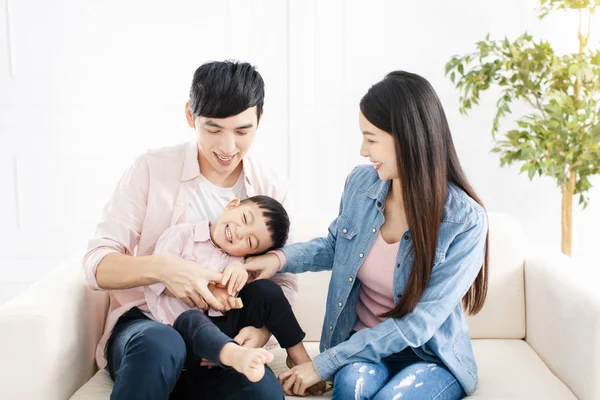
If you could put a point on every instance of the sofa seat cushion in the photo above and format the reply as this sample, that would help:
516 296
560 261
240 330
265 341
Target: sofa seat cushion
508 369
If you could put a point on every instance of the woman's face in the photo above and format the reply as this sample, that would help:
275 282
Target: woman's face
380 148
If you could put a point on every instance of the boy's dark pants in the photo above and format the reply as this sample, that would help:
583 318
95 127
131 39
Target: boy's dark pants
264 304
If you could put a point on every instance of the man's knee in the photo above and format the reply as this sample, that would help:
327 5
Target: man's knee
159 345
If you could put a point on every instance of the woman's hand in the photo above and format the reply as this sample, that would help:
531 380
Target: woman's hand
297 380
188 282
266 265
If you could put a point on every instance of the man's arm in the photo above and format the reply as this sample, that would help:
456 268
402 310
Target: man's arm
108 263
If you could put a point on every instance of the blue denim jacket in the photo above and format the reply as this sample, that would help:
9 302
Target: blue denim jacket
436 329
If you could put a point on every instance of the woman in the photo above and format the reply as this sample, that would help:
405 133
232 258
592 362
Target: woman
407 252
190 182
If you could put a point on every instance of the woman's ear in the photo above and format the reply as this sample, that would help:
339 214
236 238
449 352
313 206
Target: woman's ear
232 204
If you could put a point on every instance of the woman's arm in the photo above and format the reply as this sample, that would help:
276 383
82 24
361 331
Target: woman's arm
312 256
449 282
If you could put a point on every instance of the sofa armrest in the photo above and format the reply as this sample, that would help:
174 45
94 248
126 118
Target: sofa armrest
48 336
563 320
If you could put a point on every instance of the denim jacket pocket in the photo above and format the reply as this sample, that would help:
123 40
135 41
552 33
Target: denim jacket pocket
346 234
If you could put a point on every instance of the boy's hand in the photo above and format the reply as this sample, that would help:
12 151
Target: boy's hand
235 277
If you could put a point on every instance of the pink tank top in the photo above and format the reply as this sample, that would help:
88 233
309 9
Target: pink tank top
377 277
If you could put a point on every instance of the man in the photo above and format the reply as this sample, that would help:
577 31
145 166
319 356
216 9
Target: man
184 183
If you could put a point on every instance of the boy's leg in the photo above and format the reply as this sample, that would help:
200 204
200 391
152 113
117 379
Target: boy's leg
264 305
203 339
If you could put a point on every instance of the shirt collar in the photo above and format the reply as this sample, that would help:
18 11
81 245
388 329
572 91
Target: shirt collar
202 231
378 190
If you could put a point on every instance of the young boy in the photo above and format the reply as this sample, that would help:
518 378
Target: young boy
249 227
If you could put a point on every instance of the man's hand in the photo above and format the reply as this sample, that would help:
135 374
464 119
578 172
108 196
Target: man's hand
235 277
229 302
253 337
202 307
187 281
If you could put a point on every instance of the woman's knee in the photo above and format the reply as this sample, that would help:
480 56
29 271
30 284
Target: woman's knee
422 380
359 380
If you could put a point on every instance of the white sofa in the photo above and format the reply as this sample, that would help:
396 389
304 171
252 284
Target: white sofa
538 336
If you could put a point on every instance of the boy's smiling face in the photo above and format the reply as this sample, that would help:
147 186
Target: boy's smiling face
242 230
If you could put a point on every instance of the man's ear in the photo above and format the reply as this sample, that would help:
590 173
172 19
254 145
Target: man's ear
262 113
189 115
232 204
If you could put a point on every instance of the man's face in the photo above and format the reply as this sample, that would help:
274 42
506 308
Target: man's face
242 230
223 142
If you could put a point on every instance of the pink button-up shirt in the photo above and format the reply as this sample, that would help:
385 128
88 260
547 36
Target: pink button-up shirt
152 196
191 242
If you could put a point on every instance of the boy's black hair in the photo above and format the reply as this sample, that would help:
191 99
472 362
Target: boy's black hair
221 89
277 220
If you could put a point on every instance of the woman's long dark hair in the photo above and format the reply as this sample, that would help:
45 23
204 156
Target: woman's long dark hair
406 106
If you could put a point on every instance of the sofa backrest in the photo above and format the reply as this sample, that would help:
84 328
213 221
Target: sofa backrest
503 315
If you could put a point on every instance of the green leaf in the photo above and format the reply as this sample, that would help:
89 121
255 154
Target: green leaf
596 58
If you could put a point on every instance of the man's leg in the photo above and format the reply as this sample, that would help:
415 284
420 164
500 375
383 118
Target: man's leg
226 383
145 358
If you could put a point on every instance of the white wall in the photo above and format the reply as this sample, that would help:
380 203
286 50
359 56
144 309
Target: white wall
85 86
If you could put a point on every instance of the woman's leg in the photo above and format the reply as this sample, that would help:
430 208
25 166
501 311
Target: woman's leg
145 359
422 380
359 381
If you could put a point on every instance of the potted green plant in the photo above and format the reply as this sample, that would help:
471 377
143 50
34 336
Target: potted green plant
560 136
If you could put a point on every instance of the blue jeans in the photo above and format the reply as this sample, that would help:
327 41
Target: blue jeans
146 360
402 376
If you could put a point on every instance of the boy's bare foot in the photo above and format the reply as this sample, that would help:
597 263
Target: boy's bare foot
250 362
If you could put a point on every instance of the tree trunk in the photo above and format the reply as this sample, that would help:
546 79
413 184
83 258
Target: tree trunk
567 213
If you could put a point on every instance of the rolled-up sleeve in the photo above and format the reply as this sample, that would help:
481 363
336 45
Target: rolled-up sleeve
122 219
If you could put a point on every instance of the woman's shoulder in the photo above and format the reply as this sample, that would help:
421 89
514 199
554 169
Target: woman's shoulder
462 209
362 177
